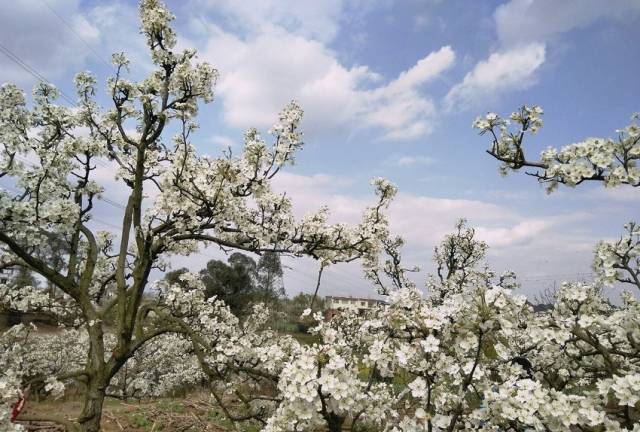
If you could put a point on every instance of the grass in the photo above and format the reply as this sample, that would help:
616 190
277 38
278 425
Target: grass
216 416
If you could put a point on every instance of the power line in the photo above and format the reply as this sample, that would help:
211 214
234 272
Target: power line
12 56
111 202
32 71
39 76
70 27
554 277
341 272
21 63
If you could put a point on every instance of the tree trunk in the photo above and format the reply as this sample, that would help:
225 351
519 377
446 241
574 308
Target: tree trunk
92 410
334 422
96 384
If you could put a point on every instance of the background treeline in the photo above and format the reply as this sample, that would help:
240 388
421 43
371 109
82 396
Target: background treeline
240 282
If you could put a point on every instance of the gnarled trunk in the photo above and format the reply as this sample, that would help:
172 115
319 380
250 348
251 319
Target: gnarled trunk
92 410
97 381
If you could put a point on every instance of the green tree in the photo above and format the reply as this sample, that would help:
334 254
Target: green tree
269 282
173 277
233 281
297 305
23 277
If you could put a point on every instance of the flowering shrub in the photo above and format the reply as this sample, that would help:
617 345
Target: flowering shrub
472 354
585 351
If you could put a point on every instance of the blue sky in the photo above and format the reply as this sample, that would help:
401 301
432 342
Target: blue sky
390 88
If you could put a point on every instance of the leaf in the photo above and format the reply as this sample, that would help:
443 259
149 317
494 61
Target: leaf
489 349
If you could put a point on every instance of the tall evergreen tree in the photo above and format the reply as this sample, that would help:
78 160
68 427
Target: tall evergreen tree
23 277
233 281
269 274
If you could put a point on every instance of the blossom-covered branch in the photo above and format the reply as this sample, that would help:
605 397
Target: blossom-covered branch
612 161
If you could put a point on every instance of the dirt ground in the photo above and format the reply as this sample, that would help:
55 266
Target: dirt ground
189 414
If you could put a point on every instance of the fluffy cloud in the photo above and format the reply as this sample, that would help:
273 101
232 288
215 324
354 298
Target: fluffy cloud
398 108
317 20
259 74
524 29
525 21
270 52
320 20
119 26
504 70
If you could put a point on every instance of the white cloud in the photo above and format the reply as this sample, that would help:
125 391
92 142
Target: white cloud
529 244
320 20
511 69
524 21
222 141
524 29
312 19
310 192
521 232
260 74
399 108
119 26
425 70
407 160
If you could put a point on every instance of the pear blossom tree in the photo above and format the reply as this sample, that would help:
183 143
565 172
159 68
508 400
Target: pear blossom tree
613 162
421 363
178 202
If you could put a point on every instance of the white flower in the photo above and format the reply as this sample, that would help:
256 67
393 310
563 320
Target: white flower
430 344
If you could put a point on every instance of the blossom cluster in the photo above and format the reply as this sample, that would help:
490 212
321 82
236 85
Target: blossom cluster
471 354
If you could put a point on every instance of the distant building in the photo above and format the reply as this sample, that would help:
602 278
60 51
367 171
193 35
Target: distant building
335 305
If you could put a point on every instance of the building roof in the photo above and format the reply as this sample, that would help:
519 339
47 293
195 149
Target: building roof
354 299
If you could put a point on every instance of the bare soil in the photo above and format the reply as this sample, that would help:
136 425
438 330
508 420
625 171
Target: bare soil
189 414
